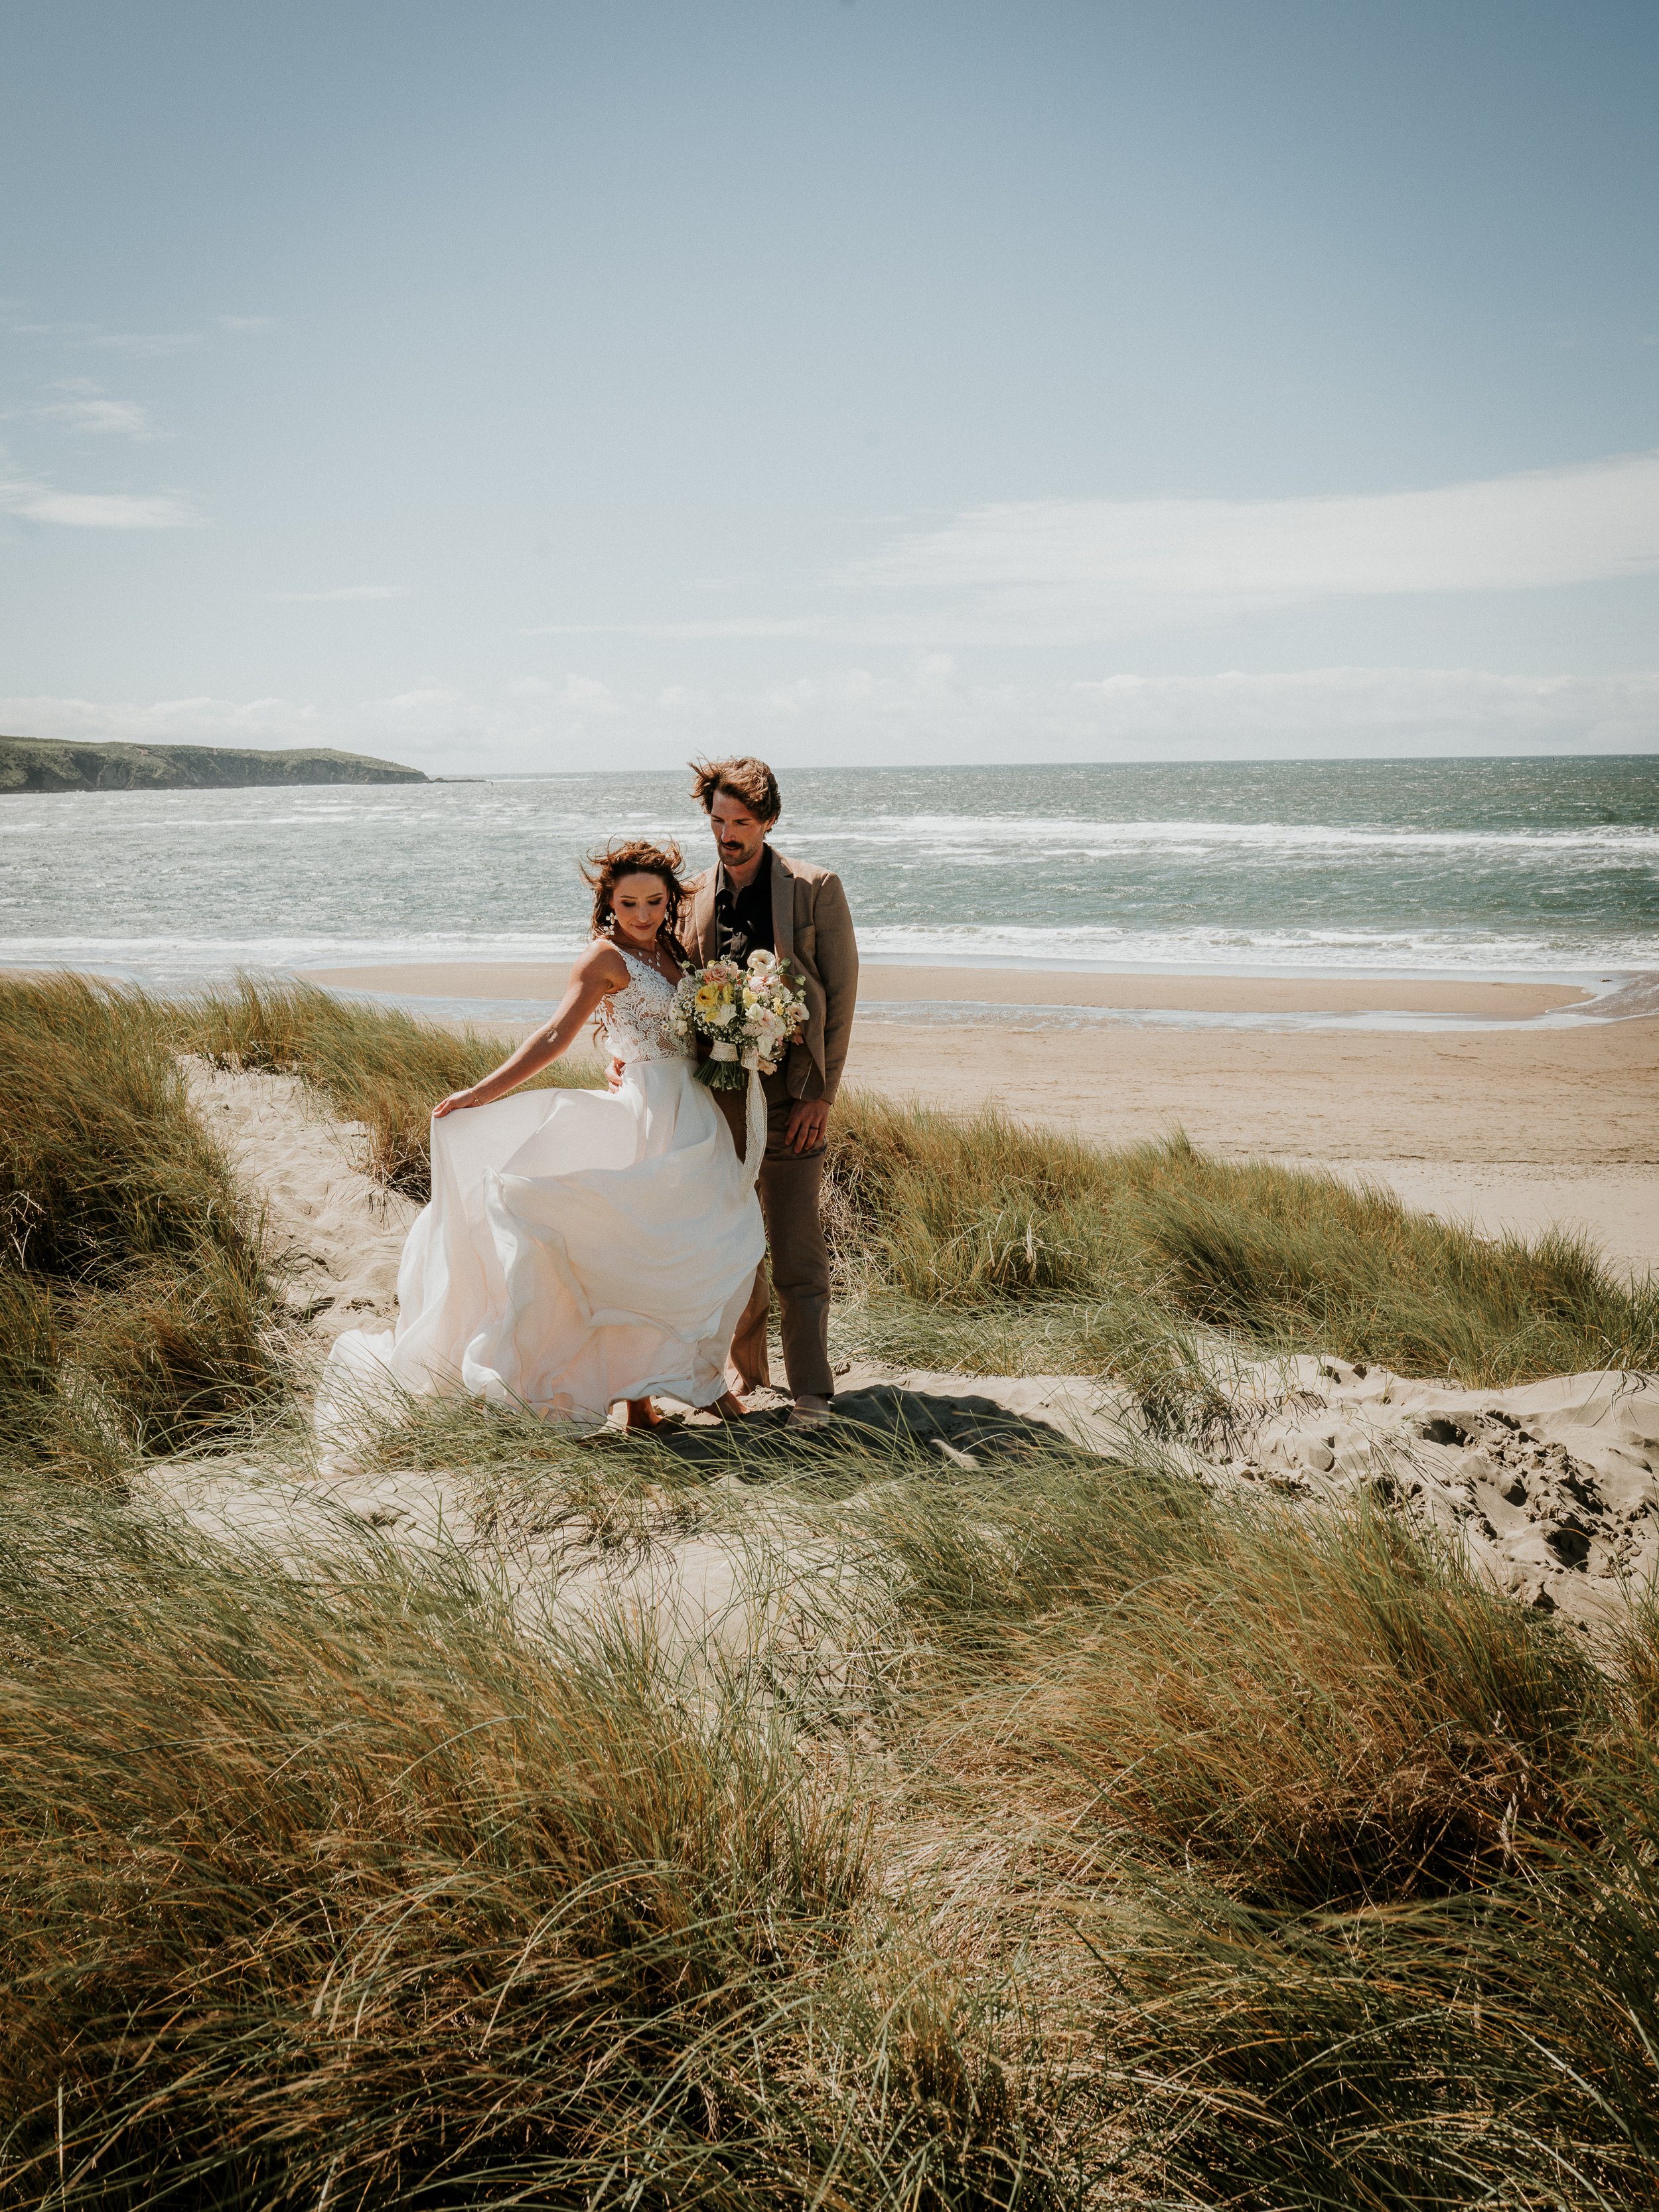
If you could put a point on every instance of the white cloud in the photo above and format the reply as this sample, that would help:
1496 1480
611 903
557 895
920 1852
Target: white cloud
1436 708
100 418
1066 571
346 592
145 345
178 721
96 510
432 720
934 711
584 697
736 626
1077 567
140 344
931 711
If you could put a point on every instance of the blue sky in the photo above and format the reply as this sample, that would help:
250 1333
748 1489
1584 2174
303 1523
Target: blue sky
519 386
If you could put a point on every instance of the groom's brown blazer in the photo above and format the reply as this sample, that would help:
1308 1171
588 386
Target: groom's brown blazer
811 927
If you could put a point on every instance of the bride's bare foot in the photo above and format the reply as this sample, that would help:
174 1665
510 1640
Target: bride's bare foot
642 1413
729 1407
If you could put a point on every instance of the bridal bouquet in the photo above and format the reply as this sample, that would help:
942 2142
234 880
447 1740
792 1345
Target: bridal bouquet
749 1015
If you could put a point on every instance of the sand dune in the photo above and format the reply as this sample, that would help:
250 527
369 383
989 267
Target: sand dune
1552 1487
335 1236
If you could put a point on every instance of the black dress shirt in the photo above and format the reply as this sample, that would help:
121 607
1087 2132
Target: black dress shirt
743 920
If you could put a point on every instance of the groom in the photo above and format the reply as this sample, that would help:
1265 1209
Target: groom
754 897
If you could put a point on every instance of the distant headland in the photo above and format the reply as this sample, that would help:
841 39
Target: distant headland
32 764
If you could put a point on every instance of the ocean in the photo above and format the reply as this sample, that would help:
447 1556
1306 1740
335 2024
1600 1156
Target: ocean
1538 868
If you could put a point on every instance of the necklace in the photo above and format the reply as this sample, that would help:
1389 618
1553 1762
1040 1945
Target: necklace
652 958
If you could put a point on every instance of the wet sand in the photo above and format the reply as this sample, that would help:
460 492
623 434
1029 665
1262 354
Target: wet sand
1004 987
1504 1127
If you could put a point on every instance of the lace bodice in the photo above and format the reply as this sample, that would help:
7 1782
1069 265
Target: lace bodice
635 1019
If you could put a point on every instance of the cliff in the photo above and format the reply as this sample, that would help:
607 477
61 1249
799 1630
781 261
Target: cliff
52 764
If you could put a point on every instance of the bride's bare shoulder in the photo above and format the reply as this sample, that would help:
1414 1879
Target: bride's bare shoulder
600 965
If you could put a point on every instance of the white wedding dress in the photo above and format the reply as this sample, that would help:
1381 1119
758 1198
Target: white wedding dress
580 1246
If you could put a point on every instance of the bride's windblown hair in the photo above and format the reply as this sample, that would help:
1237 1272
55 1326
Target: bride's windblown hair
636 856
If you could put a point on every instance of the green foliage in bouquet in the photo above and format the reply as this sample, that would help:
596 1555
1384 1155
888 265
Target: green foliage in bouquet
747 1015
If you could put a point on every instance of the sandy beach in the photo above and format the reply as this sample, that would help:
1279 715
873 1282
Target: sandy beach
1506 1127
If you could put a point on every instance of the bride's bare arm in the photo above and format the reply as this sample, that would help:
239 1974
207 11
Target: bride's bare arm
597 973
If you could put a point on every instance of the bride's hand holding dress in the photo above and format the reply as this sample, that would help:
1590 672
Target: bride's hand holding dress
597 973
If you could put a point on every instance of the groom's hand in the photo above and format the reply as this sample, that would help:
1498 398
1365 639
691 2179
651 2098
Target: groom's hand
808 1118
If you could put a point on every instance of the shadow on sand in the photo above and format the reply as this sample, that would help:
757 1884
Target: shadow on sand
881 1422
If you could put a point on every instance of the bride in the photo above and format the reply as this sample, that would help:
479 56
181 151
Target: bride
582 1247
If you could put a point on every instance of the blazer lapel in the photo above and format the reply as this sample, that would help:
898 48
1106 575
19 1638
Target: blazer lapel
702 918
783 907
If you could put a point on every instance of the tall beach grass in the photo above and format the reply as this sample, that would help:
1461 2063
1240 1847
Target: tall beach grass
135 1313
1192 1856
1155 1850
977 1241
374 1064
349 1893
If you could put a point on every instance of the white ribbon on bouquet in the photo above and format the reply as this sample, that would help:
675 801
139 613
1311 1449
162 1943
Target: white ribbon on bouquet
754 1148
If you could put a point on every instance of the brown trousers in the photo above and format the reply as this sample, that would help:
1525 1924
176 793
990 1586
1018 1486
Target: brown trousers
788 1184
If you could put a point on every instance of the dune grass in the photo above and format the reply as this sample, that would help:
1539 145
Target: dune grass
1155 1851
353 1894
372 1064
134 1311
135 1316
1315 1711
1359 1854
978 1243
1194 1856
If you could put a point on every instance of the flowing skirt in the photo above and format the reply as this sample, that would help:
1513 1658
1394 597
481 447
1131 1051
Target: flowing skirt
581 1247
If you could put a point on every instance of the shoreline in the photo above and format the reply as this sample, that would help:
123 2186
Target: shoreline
495 981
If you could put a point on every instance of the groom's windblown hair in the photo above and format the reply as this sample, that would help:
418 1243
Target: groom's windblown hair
740 777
